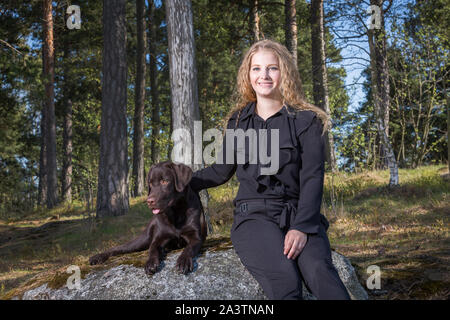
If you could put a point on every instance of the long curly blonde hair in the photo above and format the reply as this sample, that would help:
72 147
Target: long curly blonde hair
290 86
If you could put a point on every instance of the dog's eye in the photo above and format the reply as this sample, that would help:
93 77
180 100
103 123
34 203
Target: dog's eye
164 182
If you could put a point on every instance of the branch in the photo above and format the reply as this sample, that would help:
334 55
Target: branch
8 45
389 6
355 58
355 45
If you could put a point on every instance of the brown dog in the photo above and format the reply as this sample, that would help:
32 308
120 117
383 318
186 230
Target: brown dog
178 220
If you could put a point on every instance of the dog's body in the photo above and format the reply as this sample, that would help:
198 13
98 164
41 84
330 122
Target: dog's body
178 220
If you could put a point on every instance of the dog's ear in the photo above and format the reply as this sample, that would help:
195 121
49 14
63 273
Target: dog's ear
183 175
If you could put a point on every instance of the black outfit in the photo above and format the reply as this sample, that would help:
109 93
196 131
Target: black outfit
267 206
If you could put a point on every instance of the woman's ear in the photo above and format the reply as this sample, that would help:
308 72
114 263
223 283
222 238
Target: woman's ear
183 175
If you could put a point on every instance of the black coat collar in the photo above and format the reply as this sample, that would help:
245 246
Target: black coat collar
249 110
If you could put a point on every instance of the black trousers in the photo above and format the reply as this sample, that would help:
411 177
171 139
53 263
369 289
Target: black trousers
259 242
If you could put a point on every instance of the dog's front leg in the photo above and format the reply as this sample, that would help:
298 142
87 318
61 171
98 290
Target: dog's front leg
154 257
140 243
185 263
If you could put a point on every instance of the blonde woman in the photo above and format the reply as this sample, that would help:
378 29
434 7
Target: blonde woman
278 231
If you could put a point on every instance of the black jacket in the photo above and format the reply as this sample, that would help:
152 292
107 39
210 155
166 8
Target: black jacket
301 165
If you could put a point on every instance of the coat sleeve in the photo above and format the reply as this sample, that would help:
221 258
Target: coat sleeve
311 177
216 174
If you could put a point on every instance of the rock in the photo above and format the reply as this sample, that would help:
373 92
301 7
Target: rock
217 275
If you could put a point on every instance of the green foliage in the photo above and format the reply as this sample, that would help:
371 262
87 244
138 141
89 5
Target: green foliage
222 34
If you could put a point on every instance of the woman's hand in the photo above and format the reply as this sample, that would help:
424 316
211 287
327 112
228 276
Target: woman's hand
294 242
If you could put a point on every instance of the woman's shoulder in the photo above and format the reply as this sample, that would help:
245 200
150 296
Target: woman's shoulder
305 119
239 114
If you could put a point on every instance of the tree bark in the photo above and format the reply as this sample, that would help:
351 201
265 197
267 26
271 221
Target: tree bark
112 195
42 188
183 79
290 30
380 90
66 178
447 100
50 122
254 21
154 86
319 73
66 174
138 132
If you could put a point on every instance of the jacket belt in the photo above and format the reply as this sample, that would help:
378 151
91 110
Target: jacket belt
286 216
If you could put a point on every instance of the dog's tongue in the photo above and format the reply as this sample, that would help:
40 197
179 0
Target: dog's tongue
156 211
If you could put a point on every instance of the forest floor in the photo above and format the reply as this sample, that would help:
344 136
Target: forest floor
404 231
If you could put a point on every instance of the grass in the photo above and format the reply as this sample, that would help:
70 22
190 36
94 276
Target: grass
403 230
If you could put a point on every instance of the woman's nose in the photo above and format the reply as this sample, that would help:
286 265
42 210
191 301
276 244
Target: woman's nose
265 73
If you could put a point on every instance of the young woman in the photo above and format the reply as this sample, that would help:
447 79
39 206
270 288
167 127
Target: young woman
278 231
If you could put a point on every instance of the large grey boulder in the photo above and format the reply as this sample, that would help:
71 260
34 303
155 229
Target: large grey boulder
218 275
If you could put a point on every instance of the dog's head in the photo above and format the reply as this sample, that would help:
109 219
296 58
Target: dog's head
166 182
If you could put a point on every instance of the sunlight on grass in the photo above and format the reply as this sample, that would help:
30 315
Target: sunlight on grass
403 230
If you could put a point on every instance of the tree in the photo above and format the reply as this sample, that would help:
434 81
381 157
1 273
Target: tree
183 77
182 66
319 72
66 172
254 20
380 89
112 194
290 14
66 175
138 132
418 68
154 84
50 192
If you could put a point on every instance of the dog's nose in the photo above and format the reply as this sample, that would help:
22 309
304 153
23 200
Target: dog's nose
151 201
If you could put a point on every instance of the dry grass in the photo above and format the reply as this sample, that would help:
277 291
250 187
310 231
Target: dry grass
403 230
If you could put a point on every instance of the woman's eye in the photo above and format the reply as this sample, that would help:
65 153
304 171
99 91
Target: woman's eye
255 69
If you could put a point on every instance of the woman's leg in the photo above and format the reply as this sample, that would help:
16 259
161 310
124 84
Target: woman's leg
259 245
318 271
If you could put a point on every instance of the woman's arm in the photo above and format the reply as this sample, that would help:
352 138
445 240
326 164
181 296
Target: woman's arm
216 174
311 177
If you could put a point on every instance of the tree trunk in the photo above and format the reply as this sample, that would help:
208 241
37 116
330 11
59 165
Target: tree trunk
379 74
319 73
290 30
447 100
112 196
138 132
66 180
154 86
42 188
50 122
254 20
383 74
66 175
183 80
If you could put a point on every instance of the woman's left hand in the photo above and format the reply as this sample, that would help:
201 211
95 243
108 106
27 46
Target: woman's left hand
294 242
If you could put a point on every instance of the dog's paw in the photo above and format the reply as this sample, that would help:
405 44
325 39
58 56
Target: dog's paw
98 258
151 266
184 264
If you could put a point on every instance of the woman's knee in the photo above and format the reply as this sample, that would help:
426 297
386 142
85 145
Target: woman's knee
282 285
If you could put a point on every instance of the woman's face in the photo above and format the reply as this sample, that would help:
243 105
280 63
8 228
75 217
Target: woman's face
265 75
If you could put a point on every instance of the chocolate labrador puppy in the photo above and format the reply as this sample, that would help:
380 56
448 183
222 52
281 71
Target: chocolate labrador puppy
177 221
